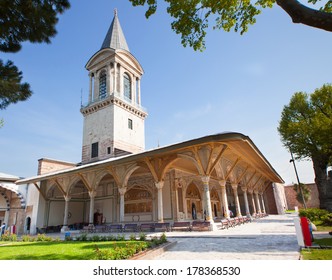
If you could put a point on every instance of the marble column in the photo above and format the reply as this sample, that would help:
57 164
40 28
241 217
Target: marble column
115 76
176 201
262 202
246 203
92 195
90 87
253 203
138 94
207 210
159 185
237 202
224 200
108 80
47 212
257 202
65 218
95 87
122 192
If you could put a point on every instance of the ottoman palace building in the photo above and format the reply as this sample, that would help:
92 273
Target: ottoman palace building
119 182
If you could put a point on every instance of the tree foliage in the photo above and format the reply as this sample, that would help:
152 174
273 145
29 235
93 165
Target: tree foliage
303 193
306 124
306 129
11 88
192 18
20 21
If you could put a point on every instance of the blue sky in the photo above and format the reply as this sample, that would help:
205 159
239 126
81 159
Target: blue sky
239 83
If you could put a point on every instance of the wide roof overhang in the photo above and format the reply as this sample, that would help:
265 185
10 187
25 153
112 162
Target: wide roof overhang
241 146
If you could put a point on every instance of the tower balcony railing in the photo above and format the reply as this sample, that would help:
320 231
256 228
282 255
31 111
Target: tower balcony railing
117 95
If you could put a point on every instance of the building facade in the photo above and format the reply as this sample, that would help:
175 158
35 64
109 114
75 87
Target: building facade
118 181
13 202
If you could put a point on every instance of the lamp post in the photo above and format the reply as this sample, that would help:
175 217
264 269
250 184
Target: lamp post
298 180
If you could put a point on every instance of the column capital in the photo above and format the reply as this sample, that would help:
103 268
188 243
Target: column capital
67 198
205 179
244 189
234 186
92 194
122 190
222 183
159 185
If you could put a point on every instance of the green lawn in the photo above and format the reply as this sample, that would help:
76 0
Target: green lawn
323 228
69 250
318 254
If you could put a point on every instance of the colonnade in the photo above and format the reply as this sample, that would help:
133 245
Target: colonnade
252 198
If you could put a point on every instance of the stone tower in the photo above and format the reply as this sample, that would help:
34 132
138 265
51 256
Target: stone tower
113 115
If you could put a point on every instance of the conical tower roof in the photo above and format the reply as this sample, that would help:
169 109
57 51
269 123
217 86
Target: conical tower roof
115 38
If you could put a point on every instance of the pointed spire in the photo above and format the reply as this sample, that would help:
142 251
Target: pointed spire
115 38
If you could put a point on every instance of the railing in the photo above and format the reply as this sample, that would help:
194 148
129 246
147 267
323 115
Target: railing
117 95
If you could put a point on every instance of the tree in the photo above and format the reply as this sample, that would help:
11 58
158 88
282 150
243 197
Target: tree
20 21
306 130
192 17
302 193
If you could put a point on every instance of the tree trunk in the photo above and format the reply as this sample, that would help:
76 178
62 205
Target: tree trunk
305 15
323 182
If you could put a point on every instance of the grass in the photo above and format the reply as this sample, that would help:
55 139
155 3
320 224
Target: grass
318 254
58 250
321 227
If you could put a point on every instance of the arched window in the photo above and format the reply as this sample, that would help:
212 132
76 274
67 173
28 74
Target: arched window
102 85
127 87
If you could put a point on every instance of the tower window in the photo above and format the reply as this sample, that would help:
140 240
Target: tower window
127 87
102 85
130 123
94 150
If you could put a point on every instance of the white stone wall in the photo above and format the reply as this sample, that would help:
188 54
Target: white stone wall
98 127
167 204
131 140
279 195
33 199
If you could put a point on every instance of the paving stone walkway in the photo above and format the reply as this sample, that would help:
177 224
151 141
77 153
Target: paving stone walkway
268 238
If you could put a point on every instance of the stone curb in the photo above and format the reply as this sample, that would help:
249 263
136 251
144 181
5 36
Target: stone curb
150 254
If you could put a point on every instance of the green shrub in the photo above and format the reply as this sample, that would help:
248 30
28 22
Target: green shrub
68 238
8 237
120 237
327 219
142 236
132 237
26 238
5 237
141 246
313 214
111 237
43 237
163 238
120 252
103 238
82 237
95 238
